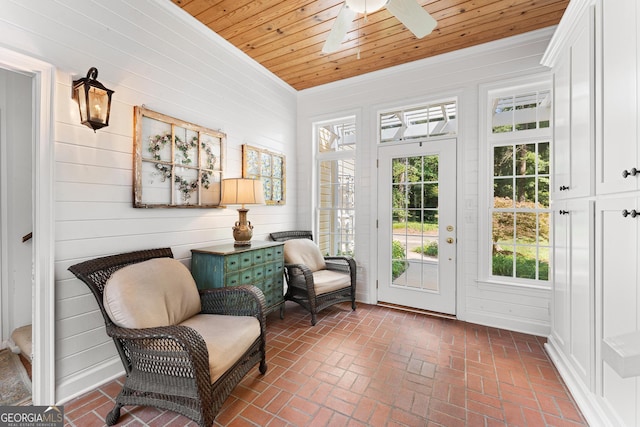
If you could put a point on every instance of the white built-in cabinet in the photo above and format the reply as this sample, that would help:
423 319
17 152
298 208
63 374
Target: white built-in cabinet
595 310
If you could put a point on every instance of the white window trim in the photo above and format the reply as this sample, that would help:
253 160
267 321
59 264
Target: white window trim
541 81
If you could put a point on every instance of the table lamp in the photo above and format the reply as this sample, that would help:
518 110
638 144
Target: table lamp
242 191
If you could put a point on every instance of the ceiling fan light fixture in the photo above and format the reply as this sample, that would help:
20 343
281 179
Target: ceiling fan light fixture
366 6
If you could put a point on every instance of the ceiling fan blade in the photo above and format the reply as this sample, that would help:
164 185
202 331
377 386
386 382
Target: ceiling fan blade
413 16
339 29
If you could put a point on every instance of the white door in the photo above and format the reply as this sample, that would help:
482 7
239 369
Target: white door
417 225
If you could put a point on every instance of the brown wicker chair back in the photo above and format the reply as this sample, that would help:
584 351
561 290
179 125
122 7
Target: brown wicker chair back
282 236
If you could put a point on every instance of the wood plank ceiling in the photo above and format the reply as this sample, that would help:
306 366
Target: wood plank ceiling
286 36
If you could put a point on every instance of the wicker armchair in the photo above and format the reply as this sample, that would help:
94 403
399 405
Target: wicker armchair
172 366
314 281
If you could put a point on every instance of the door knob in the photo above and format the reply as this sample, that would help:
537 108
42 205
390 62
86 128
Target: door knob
450 240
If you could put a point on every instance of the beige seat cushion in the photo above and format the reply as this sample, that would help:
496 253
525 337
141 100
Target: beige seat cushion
227 338
327 281
157 292
304 251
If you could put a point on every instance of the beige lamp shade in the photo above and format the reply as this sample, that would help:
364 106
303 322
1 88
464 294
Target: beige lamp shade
241 191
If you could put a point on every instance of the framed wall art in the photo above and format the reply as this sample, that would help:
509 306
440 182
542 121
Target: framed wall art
176 163
269 167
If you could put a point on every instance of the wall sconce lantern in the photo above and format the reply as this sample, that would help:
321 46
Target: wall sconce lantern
94 100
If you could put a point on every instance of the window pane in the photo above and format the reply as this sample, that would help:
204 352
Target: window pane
502 115
415 195
526 227
543 158
430 221
526 192
503 161
503 193
526 159
430 168
419 122
337 137
430 195
543 263
543 228
528 111
502 264
543 192
526 264
502 230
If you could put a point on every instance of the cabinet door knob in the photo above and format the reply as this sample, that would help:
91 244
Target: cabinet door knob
564 187
633 213
632 172
563 212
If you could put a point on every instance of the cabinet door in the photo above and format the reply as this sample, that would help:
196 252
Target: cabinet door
573 322
617 275
582 56
562 129
617 148
574 113
581 239
560 296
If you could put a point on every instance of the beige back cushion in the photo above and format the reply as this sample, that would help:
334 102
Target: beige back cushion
157 292
304 251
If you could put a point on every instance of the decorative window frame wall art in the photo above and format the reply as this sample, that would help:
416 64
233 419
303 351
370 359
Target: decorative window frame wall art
268 166
176 164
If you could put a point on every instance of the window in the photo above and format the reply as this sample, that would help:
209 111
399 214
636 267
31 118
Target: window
419 123
336 169
519 146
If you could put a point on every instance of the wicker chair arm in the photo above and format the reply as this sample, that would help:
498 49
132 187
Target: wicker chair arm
246 300
345 264
299 273
180 347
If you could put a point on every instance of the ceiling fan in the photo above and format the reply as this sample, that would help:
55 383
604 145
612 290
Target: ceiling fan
409 12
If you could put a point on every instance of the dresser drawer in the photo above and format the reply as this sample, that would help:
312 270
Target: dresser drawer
258 256
232 262
232 279
269 270
246 259
246 277
258 274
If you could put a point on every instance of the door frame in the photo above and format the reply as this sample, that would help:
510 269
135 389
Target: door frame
43 295
456 267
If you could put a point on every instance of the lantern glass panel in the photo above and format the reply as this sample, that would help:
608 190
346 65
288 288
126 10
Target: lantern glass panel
99 101
82 103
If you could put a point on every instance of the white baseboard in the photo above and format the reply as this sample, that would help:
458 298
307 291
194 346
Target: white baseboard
589 404
88 380
509 323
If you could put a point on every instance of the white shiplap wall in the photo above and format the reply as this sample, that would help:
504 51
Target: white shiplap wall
151 53
457 74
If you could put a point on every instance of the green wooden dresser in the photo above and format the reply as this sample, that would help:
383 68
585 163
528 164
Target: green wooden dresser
261 265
